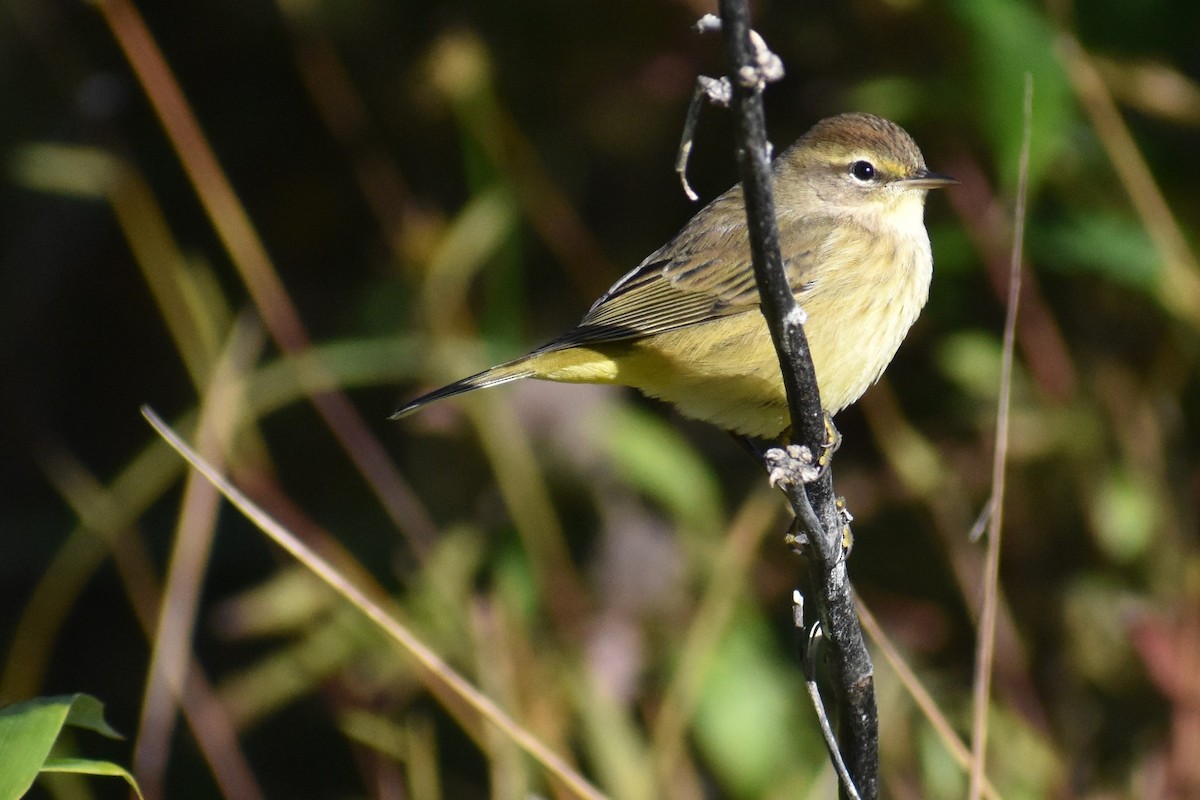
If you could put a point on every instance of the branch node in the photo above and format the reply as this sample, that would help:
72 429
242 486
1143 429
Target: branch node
796 316
709 23
769 65
791 466
798 609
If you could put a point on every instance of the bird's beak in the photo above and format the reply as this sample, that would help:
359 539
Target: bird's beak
928 180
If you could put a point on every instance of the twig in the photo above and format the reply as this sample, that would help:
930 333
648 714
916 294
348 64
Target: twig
850 664
714 90
809 636
766 67
171 642
985 648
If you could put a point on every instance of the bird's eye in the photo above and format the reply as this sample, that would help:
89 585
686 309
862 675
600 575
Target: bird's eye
863 170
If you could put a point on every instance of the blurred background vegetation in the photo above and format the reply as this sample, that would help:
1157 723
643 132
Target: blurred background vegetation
405 192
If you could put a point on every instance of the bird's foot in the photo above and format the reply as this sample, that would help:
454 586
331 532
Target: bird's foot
797 539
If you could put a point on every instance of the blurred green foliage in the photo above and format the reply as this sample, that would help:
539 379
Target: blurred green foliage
440 185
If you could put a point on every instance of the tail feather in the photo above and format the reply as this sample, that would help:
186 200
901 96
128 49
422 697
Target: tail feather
511 371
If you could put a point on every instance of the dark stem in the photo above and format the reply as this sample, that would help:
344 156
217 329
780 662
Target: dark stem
849 662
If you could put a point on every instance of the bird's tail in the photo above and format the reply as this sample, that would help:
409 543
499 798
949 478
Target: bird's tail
503 373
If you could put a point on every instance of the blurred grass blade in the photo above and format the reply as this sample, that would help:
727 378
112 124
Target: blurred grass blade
195 318
459 66
248 252
87 766
191 551
471 240
1179 287
438 674
717 608
920 695
987 617
654 457
526 495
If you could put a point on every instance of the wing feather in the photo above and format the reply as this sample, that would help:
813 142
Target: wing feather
704 273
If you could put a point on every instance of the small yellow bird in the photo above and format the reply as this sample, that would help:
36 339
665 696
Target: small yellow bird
685 326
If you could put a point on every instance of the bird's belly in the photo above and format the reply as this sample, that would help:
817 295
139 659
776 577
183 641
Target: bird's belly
724 372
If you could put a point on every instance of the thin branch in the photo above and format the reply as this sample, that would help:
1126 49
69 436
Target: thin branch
987 619
810 634
714 90
850 664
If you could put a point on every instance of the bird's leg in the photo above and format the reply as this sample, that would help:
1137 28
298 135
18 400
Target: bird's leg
753 447
795 465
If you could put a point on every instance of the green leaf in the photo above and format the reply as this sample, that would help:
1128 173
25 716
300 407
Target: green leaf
87 766
1112 246
753 720
1009 38
892 96
971 360
29 730
656 459
1125 512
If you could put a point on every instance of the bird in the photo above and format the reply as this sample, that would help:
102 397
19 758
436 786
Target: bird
685 325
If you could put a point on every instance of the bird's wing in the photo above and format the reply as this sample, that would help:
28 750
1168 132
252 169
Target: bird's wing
702 274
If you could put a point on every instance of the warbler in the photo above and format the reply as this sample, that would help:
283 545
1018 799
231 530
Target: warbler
685 326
